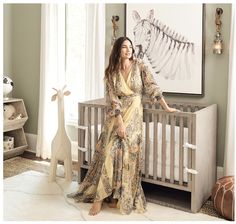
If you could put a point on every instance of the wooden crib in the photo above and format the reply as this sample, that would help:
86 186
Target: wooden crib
179 150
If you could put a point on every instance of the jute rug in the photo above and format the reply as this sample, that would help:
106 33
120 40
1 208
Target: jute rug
17 165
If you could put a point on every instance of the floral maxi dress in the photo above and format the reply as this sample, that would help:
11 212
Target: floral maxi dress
115 169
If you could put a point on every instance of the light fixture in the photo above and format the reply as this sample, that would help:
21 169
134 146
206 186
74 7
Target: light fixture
218 42
115 27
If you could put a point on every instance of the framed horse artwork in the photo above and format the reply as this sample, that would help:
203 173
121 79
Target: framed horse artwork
169 38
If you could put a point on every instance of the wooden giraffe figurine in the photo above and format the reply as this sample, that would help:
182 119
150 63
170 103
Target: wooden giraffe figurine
61 144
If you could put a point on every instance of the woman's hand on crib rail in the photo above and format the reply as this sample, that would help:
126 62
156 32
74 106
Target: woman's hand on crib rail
166 107
171 110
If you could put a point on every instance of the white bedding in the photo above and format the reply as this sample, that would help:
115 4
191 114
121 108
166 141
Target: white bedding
159 152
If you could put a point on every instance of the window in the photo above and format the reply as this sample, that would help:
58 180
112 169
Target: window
85 55
75 57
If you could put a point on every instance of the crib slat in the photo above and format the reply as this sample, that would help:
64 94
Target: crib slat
163 151
189 150
147 145
102 116
188 108
152 115
81 139
181 162
192 108
172 148
95 125
89 135
155 148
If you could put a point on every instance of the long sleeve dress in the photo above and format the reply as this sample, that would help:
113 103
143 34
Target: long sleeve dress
115 169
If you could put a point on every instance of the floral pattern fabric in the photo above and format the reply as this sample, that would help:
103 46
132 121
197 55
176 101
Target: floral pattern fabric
115 170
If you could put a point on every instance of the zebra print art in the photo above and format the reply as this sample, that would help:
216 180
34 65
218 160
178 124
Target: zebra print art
169 53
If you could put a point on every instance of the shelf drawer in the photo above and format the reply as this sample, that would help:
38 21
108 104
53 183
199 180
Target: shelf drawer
14 124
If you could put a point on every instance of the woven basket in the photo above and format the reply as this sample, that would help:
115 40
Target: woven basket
223 197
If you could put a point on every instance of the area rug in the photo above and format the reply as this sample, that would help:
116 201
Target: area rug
29 196
18 165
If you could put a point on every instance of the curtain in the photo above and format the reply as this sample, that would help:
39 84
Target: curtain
52 62
52 65
230 121
95 50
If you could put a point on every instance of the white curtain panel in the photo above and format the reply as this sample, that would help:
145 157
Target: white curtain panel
230 123
95 51
52 67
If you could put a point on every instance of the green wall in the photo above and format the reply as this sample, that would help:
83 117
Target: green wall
22 56
22 60
7 38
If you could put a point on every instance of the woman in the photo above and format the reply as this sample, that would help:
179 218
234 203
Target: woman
115 170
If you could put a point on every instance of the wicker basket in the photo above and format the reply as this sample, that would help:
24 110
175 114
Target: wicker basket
8 143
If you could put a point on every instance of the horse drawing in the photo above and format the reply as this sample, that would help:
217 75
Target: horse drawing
169 53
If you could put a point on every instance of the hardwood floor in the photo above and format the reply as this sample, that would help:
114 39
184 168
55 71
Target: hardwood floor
32 155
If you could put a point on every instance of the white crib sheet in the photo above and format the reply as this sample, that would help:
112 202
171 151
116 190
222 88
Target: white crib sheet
167 151
167 167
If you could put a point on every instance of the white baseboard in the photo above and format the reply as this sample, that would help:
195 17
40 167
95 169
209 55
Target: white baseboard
32 141
219 172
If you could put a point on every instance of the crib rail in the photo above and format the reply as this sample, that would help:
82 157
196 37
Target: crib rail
184 107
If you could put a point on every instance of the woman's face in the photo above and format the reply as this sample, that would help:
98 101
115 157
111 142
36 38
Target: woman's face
126 50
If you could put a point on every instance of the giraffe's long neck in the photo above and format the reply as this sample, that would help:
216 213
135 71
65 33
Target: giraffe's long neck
61 118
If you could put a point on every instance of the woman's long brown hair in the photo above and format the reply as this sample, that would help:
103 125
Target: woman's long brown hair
114 59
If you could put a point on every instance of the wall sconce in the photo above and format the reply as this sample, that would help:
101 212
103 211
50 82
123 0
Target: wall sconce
218 42
115 27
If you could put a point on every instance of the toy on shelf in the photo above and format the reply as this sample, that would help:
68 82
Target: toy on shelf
7 86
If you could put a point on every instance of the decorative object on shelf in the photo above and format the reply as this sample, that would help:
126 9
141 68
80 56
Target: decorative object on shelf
61 144
18 116
115 27
8 143
7 86
218 42
9 112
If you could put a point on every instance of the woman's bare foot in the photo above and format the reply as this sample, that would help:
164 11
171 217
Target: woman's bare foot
113 203
96 208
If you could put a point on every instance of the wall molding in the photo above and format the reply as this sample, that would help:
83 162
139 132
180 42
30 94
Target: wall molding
32 141
219 172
